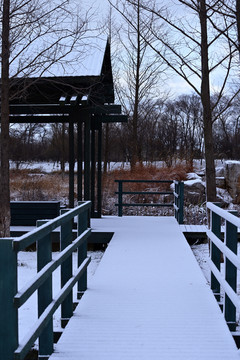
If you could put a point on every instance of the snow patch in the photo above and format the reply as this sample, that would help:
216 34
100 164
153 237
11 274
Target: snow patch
192 176
194 182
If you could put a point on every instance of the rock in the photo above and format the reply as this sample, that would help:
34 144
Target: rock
194 191
223 196
220 171
221 182
192 176
232 177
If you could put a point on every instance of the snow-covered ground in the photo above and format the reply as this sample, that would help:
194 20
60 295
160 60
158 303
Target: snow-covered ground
50 166
27 268
201 252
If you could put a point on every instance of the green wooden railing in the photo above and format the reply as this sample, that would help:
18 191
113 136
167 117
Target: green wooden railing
224 277
11 299
178 194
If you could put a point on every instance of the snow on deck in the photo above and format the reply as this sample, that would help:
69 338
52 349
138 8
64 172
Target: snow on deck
148 300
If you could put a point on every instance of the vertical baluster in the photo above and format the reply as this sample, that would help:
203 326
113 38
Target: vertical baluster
230 273
175 200
180 202
215 253
82 252
44 256
8 289
120 185
66 271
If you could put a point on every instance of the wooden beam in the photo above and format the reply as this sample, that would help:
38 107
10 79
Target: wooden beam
112 118
39 119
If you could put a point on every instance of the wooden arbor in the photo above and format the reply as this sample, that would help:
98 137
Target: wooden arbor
86 100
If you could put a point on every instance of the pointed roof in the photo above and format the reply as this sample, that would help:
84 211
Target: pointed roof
92 78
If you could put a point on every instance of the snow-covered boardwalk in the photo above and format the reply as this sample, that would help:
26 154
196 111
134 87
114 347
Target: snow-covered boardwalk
148 300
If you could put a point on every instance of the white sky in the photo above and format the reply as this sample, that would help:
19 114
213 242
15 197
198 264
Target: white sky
174 84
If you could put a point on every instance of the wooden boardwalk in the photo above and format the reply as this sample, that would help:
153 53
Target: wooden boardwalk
148 300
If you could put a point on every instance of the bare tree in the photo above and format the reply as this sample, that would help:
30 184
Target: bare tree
137 66
38 37
190 114
4 171
191 42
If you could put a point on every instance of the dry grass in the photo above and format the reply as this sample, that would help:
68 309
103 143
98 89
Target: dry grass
30 185
141 173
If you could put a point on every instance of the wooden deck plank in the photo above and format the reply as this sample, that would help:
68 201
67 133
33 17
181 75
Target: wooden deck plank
148 300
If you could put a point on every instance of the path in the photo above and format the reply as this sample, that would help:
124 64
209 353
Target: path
148 300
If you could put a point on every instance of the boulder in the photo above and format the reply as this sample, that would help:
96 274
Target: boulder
232 178
220 171
220 177
194 191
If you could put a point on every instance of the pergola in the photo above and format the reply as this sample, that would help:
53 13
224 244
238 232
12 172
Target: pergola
86 100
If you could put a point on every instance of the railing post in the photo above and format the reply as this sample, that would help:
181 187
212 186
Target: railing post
181 202
66 270
8 289
230 273
82 252
215 253
44 256
120 185
175 200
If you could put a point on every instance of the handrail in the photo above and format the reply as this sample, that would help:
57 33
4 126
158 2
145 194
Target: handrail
12 300
177 193
227 280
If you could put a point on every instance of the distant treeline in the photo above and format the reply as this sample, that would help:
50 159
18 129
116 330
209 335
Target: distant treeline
167 130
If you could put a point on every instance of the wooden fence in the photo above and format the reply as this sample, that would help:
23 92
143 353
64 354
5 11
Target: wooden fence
177 203
224 261
11 299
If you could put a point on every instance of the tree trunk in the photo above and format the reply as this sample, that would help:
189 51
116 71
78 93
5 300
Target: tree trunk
207 113
134 141
238 22
4 172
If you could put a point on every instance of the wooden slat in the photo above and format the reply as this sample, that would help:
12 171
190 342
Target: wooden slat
148 300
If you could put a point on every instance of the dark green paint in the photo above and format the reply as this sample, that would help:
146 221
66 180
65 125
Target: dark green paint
231 241
83 222
66 270
8 289
178 202
215 223
11 301
44 256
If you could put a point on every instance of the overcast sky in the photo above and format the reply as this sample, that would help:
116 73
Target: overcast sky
175 83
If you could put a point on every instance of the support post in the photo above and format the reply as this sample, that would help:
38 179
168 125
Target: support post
99 183
44 256
230 273
8 289
120 186
93 170
66 271
180 202
215 253
87 151
82 252
71 164
79 161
